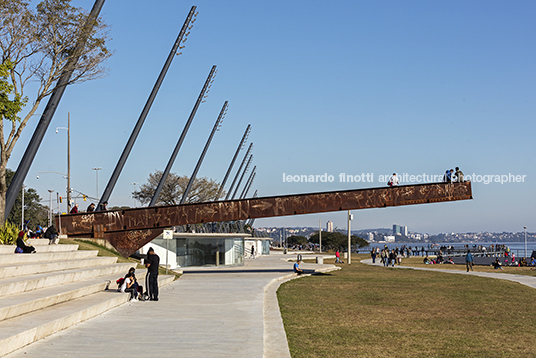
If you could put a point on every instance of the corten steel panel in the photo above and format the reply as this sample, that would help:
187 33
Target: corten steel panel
128 230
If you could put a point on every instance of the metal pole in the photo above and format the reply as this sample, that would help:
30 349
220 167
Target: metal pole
97 180
24 186
242 176
244 138
50 208
349 237
165 174
200 160
320 234
238 172
248 182
122 160
525 228
68 162
50 109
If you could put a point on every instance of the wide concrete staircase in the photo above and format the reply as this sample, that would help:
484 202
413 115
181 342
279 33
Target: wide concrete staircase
55 288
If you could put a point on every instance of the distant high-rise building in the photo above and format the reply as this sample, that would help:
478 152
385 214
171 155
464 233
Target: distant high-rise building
400 230
329 226
396 230
404 230
370 237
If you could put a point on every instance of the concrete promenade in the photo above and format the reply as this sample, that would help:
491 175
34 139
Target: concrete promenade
218 312
522 279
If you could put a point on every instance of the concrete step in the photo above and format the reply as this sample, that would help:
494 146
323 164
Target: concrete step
15 285
25 302
10 249
18 332
33 268
14 259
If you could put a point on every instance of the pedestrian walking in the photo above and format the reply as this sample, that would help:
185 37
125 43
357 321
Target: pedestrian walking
469 261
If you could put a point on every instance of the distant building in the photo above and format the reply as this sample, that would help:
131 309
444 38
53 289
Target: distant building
400 230
390 238
329 226
370 237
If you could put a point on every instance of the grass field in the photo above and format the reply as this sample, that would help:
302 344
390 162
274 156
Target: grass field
366 311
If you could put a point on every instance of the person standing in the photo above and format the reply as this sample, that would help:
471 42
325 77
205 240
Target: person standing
252 252
393 181
152 263
91 208
337 257
74 210
459 175
469 261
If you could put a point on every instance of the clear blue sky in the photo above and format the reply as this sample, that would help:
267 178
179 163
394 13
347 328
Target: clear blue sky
329 87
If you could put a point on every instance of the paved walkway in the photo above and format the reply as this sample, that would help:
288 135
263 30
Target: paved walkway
522 279
227 312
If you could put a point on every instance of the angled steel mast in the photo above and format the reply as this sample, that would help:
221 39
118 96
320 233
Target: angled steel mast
200 98
194 174
130 143
242 176
244 138
239 170
50 109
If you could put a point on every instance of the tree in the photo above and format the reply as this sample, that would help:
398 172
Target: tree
36 46
202 190
34 211
296 240
337 240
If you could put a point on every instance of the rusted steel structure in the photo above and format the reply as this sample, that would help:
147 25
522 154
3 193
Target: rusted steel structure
128 230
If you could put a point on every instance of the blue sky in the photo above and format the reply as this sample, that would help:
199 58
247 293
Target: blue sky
329 87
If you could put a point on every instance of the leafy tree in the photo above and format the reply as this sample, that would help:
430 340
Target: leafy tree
36 45
337 240
202 190
34 211
296 240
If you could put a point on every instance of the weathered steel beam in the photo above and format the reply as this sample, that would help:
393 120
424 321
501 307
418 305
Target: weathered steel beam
128 230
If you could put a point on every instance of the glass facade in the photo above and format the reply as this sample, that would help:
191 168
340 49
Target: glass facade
205 251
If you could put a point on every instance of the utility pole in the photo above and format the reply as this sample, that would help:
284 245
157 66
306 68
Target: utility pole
320 235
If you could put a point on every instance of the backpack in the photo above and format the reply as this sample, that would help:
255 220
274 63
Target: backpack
120 283
19 250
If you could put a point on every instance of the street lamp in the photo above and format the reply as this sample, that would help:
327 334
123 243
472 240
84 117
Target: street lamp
50 208
68 160
350 217
97 179
23 186
525 228
134 191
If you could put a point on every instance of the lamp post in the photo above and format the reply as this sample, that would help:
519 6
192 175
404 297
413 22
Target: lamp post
350 217
320 235
97 179
50 208
134 191
525 228
68 160
23 186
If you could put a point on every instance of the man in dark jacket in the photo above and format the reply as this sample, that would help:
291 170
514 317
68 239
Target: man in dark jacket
152 263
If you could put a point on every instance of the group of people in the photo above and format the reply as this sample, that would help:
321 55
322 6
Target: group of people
49 233
129 283
451 176
389 257
90 208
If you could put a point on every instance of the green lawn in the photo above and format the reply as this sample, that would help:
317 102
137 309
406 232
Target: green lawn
366 311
